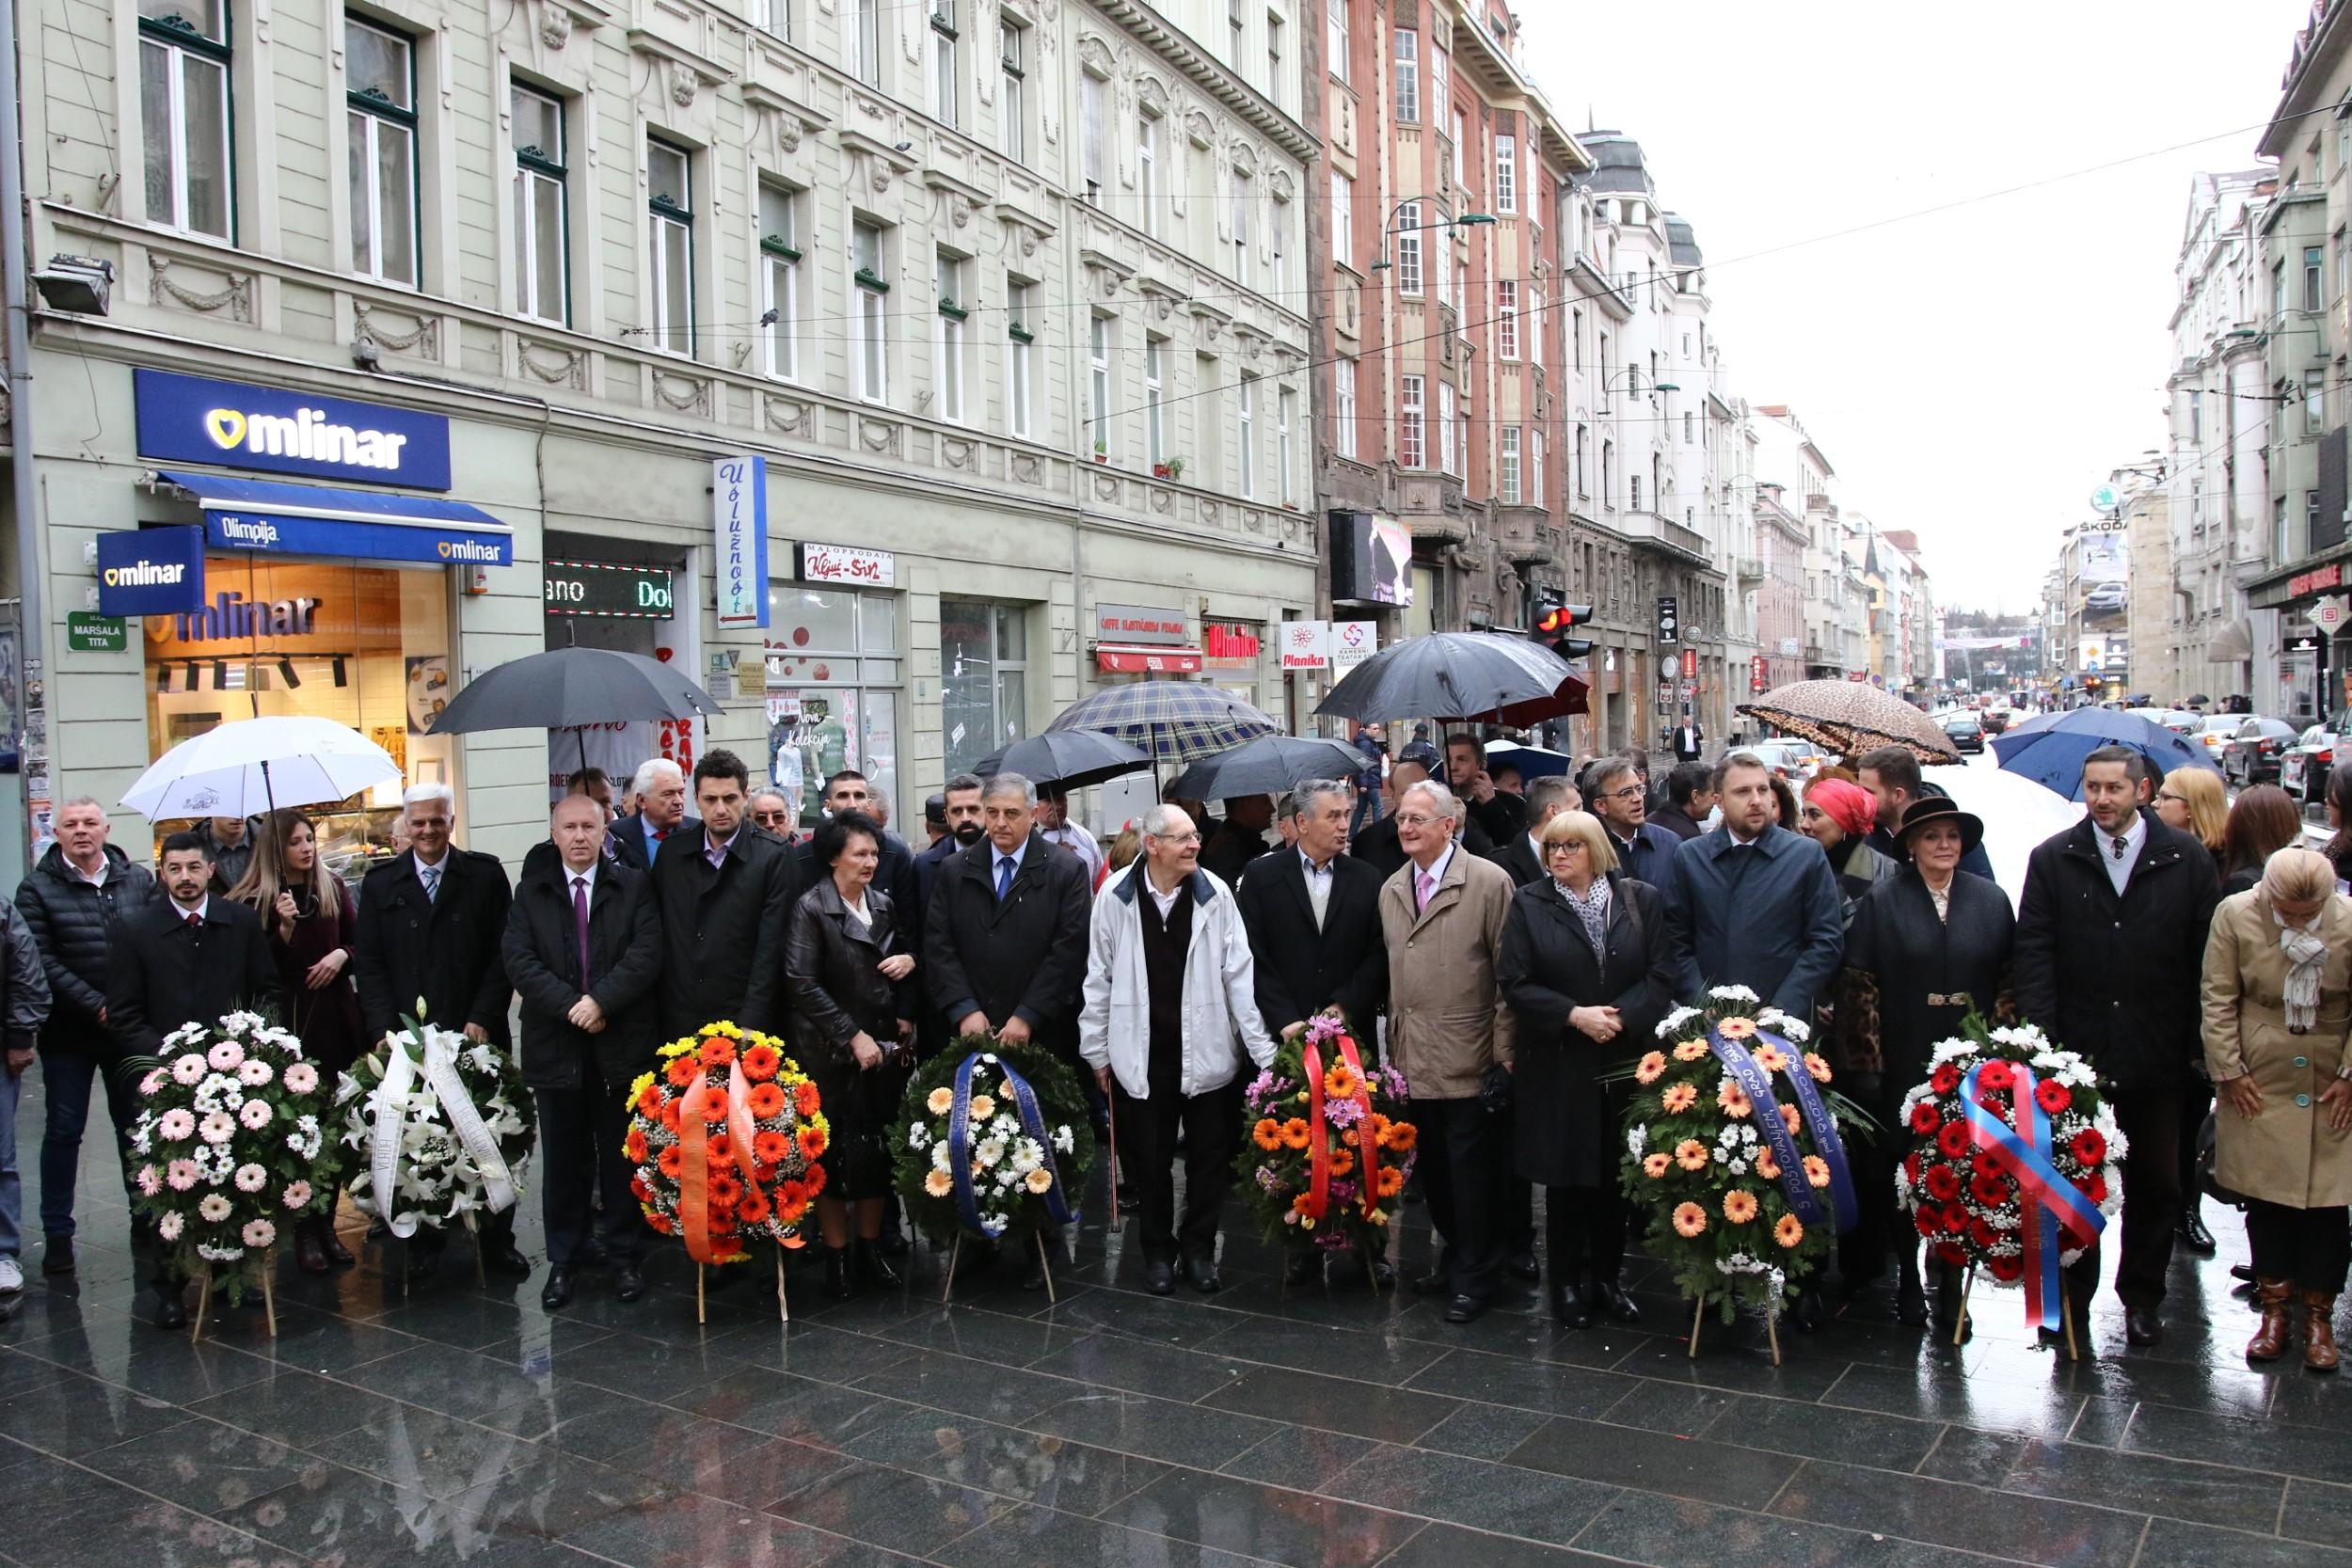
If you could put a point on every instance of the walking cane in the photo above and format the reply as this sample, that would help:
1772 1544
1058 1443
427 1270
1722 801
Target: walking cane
1117 1225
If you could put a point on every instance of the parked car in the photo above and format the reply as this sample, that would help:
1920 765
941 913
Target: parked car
1967 732
1995 720
2251 754
1797 761
2304 767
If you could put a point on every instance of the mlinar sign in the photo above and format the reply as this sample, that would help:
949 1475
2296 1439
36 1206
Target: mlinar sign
230 424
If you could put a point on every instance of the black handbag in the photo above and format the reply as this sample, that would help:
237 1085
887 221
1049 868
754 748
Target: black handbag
1494 1090
2208 1182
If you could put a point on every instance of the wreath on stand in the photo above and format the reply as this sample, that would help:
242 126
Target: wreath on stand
1328 1149
1733 1155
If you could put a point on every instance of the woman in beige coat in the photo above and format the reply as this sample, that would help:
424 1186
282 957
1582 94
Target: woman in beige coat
2277 1009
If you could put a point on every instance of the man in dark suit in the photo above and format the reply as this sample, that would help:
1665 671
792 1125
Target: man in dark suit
1005 938
1377 846
1314 919
1690 796
660 790
1891 774
582 949
1499 812
1226 852
189 958
723 891
961 801
429 924
849 791
1546 798
1620 800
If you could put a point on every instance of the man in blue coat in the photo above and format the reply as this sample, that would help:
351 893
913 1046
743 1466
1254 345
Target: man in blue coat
1752 904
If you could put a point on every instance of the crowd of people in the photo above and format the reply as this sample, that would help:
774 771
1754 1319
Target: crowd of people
1512 942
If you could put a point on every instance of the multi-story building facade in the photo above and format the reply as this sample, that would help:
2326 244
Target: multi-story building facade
902 371
1779 594
1788 460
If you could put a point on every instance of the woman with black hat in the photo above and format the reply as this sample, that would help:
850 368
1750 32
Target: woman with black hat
1927 948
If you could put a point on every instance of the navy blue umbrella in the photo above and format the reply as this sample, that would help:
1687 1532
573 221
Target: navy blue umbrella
2049 748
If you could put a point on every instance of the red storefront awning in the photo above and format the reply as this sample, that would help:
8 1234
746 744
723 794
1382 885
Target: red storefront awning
1122 658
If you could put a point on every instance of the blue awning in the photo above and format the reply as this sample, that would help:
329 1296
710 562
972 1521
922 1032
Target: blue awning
310 520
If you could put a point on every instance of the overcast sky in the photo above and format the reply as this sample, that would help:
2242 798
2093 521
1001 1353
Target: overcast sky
1974 373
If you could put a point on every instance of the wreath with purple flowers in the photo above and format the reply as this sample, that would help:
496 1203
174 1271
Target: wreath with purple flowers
1326 1150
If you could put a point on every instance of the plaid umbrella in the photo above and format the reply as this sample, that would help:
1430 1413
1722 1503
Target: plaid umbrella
1169 720
1851 717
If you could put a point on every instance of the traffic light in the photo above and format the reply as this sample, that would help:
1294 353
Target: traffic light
1556 622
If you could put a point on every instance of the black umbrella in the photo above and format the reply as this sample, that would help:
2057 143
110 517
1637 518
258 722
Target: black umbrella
1071 758
1269 765
568 688
1461 677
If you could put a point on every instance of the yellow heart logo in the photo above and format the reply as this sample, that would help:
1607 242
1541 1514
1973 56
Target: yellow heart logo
225 426
443 547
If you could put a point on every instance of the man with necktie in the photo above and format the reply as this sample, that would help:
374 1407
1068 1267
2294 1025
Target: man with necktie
583 951
429 924
189 958
2109 960
723 892
636 838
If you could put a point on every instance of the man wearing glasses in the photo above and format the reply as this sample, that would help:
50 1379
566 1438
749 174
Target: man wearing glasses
1620 800
772 813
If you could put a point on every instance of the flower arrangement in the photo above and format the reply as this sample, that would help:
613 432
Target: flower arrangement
1733 1152
229 1147
2012 1161
436 1129
1021 1123
728 1138
1328 1149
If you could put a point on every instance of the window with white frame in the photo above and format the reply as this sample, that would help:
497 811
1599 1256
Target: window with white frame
955 313
780 279
1148 173
1439 83
865 54
1276 29
1537 321
1448 457
1412 439
1408 247
542 206
381 71
944 37
1507 319
1408 57
1608 475
1277 232
1690 432
1536 465
770 16
1013 43
1248 403
1285 406
1244 195
869 282
1335 37
1154 390
1342 219
670 244
1099 383
1583 462
1506 174
1461 276
1442 251
983 669
1461 135
1462 440
1020 358
1093 128
1509 467
1343 406
184 103
1236 30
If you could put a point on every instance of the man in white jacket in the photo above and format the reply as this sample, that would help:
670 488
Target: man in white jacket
1169 1005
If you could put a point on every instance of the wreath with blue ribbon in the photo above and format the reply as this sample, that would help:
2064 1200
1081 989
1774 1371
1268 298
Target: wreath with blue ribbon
993 1142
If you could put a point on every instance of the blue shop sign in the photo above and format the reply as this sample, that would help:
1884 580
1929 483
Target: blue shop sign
189 419
306 520
150 571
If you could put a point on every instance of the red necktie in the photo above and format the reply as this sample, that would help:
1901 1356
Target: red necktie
660 834
196 921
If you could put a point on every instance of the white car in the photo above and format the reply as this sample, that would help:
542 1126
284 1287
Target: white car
1797 761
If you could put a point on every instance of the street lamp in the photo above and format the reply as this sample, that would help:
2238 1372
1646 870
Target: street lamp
1633 386
1467 220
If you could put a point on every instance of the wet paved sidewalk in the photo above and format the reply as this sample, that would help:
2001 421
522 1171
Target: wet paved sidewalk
1320 1428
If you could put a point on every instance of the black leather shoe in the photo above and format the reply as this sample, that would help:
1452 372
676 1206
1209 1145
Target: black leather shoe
628 1282
337 1254
1809 1313
558 1290
1434 1283
838 1285
1158 1277
593 1256
1125 1197
1305 1267
504 1259
2195 1237
1522 1265
2242 1273
1464 1309
1610 1297
893 1243
873 1270
1911 1303
1569 1309
1034 1278
1201 1272
171 1308
1383 1275
2141 1326
57 1255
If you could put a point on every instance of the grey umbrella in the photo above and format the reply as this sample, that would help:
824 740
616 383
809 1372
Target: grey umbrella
566 687
1464 676
1270 765
1071 758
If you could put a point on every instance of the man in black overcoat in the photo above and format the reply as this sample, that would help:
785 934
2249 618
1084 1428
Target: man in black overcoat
723 891
660 788
583 951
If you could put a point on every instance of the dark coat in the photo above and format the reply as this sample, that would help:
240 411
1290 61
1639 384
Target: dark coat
1646 856
1377 847
77 927
167 973
541 952
1300 971
1516 856
2116 979
25 1002
1228 851
832 978
443 949
723 932
1676 821
326 1020
1897 956
895 877
1767 917
1498 818
625 839
1025 958
928 866
1568 1125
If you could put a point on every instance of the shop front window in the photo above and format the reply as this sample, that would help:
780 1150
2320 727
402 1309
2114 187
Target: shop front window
834 674
983 665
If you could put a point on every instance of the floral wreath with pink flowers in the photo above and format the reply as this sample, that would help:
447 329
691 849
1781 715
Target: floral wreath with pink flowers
1734 1154
227 1150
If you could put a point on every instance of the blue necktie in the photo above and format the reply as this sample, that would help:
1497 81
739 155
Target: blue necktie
1004 877
431 875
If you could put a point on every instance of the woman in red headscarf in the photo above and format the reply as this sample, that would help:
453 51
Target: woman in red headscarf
1837 816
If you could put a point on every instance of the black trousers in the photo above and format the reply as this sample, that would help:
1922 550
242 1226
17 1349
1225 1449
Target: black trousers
1585 1233
1462 1173
2195 1104
1211 1124
1516 1225
2151 1122
581 1133
2311 1246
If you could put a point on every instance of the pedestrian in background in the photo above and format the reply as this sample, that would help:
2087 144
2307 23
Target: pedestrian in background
2278 1007
1373 741
2263 822
2339 846
24 1008
230 841
1690 796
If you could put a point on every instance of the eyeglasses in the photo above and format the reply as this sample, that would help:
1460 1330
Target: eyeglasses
2169 795
1415 819
1569 847
1630 792
771 818
1192 837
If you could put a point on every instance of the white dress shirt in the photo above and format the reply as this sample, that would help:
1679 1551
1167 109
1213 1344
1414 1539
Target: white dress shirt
2118 868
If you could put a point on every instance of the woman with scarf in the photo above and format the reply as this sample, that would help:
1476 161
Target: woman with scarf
1925 948
1585 968
2277 1009
1838 816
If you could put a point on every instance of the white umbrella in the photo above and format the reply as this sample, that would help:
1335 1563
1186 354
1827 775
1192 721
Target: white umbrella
2017 813
253 765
